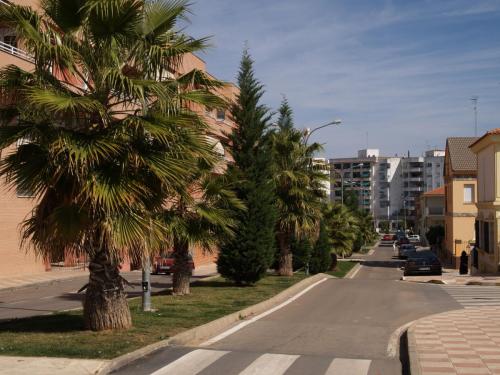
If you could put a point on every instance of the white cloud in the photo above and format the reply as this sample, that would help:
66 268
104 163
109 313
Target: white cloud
375 64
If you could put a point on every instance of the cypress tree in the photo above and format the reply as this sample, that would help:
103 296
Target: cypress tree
321 258
246 258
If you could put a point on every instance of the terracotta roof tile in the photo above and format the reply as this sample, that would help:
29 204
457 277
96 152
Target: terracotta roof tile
438 191
460 155
495 131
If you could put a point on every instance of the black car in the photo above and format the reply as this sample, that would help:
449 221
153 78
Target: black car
405 250
422 265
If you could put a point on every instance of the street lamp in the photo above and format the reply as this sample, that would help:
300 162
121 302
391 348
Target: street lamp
308 131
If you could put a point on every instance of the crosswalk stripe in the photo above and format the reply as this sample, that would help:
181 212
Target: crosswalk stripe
270 364
343 366
474 296
191 363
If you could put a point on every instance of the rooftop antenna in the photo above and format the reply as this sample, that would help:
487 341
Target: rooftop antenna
367 140
474 101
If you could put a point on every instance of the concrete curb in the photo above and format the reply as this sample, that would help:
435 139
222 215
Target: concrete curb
204 332
393 345
412 352
41 283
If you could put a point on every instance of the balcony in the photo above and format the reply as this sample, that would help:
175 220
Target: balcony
413 188
435 211
14 51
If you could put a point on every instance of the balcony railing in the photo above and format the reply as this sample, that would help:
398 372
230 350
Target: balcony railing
15 51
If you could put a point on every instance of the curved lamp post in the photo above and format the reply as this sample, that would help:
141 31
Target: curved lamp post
308 131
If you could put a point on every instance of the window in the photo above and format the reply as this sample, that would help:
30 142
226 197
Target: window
468 193
221 115
11 40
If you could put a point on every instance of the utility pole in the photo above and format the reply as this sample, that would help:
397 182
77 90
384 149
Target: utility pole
146 283
474 101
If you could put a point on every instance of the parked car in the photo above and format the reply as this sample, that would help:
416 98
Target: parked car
414 238
406 249
165 264
387 240
422 265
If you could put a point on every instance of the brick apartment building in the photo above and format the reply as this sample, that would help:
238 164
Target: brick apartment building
15 206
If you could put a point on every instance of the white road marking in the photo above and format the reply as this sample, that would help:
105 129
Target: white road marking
359 265
191 363
473 296
270 364
343 366
260 316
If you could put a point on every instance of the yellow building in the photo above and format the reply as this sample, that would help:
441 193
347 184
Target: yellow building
460 198
487 149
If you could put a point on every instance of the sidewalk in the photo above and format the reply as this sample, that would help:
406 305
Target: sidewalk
204 270
464 342
452 277
40 278
49 366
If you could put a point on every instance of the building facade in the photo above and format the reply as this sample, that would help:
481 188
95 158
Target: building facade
431 211
356 175
16 206
460 198
487 150
389 187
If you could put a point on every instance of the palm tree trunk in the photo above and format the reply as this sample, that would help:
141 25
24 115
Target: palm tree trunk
182 269
105 306
285 259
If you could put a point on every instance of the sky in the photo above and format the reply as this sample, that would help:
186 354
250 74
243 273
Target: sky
400 74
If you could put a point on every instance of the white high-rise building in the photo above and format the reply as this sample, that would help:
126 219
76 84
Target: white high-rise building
325 168
388 187
434 169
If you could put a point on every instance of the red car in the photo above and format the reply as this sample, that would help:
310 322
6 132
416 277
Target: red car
165 264
387 240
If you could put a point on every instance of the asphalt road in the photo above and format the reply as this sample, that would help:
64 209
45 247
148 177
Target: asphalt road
340 327
61 295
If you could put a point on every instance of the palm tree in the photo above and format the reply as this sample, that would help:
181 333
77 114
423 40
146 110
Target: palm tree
366 231
105 133
298 187
200 215
343 228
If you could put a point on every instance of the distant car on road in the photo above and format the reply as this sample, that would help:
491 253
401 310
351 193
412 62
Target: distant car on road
405 250
422 265
414 238
387 240
165 264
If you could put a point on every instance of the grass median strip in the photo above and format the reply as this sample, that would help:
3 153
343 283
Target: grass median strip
62 334
343 267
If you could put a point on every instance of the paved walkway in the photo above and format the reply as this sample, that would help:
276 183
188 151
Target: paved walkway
58 275
464 342
49 366
37 278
